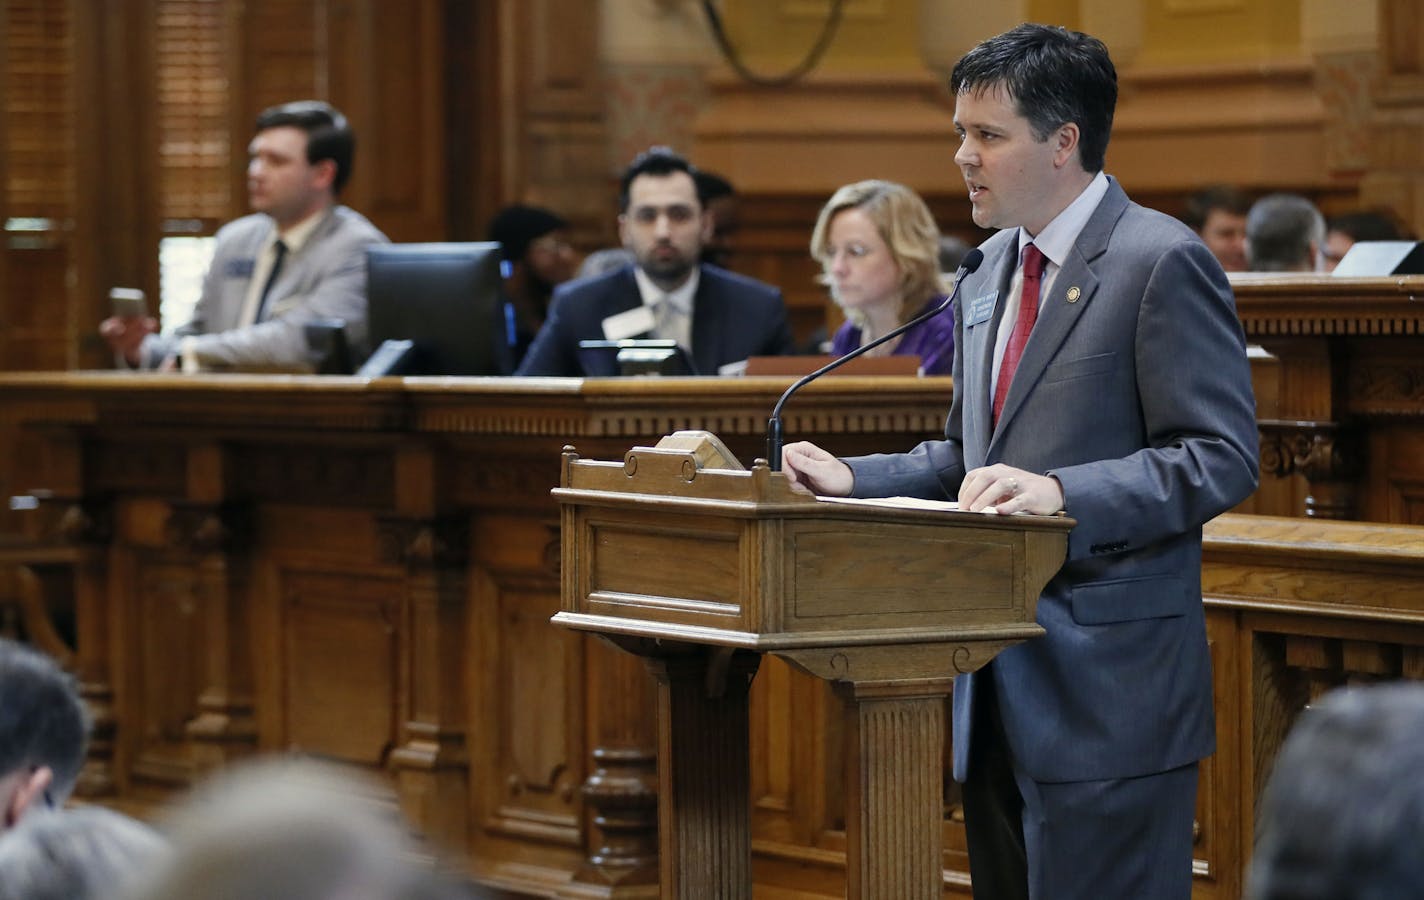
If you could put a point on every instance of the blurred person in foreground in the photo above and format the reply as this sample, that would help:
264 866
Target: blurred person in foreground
44 733
89 853
299 257
719 317
293 829
1100 371
1342 815
878 247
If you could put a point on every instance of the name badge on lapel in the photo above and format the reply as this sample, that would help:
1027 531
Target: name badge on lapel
980 309
239 268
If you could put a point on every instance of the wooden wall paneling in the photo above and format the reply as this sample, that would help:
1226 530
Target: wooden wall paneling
386 72
552 110
114 241
473 117
285 55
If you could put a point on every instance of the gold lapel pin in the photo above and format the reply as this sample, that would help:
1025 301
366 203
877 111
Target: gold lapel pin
1074 294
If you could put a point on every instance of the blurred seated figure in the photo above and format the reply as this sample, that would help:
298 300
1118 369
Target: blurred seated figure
1285 233
534 245
952 251
723 207
1342 816
291 829
878 247
90 853
1218 215
44 733
300 257
668 293
1343 231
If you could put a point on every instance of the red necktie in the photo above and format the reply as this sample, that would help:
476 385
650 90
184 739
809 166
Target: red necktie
1028 314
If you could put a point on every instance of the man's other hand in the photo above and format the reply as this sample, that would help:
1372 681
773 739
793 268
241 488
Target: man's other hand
807 465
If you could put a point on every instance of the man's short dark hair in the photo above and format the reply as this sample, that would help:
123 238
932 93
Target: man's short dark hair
1279 231
1342 815
43 721
328 135
1218 196
710 186
1055 76
657 160
1367 225
517 226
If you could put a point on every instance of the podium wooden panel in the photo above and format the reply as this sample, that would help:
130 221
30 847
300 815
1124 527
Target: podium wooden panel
698 570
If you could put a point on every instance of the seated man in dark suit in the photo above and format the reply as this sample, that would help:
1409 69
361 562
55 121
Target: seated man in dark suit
721 318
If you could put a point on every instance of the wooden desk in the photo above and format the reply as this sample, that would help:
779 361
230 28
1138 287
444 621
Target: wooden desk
366 571
1348 412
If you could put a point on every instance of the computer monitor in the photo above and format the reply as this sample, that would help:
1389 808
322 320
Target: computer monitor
436 309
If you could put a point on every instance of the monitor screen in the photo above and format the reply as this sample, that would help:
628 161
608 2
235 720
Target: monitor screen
440 305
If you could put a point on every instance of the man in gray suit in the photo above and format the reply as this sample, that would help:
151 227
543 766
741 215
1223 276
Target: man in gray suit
298 258
1101 372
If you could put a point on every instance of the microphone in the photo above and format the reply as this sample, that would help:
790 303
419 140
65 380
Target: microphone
971 263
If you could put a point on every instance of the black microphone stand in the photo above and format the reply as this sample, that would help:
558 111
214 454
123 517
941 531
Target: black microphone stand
773 428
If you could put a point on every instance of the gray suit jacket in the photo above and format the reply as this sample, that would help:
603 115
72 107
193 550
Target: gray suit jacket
1137 397
326 279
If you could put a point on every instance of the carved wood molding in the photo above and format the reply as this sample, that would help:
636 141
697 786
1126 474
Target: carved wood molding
71 521
424 543
208 528
1311 305
1321 451
1392 387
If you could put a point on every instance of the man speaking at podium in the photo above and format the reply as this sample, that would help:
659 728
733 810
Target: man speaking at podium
1101 372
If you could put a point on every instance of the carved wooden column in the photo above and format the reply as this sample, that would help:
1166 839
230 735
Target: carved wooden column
431 763
216 538
83 528
621 790
702 744
213 535
894 787
67 518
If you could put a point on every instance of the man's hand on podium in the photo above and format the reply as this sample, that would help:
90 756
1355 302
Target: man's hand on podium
1003 489
814 469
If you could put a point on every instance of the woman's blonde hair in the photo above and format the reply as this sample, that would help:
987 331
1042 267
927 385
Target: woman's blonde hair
904 223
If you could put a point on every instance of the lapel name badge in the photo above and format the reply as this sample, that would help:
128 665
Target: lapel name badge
1074 294
980 309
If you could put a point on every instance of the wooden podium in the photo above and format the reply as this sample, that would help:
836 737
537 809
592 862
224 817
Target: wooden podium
700 570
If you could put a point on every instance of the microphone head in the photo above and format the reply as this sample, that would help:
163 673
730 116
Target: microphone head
971 262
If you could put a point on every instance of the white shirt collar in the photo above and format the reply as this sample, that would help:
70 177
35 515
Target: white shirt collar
681 298
299 233
1057 238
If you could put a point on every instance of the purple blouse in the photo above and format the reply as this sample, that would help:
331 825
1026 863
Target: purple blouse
932 341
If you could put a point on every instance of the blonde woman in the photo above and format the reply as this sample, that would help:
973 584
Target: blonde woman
879 253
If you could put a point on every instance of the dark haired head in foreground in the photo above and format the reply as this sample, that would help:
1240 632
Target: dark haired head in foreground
44 732
1342 817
